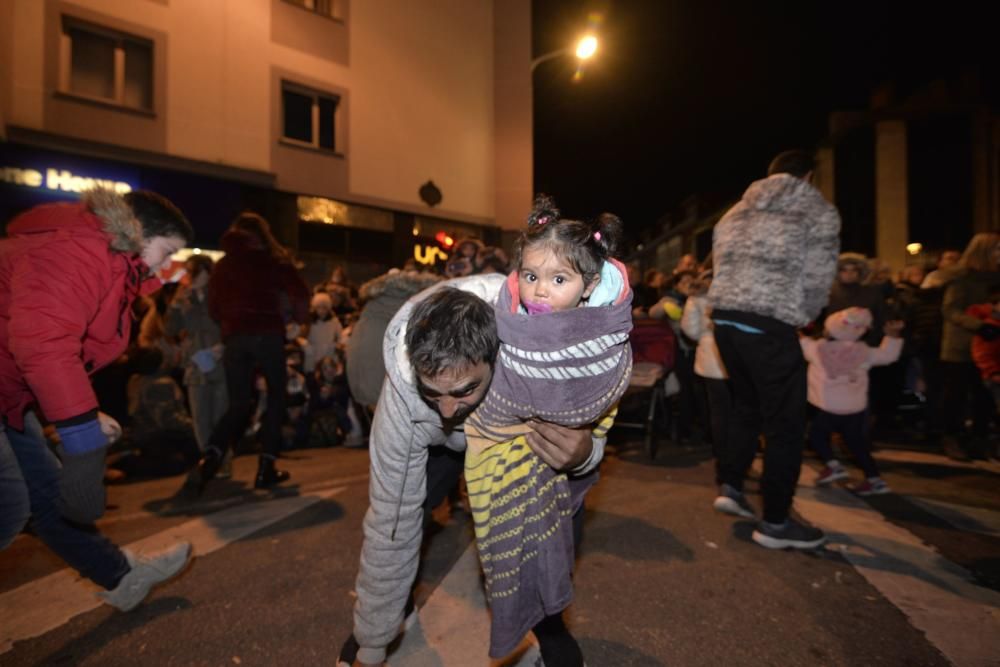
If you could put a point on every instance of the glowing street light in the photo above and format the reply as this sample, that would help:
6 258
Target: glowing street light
584 49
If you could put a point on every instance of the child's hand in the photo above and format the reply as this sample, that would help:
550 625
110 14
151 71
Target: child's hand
893 328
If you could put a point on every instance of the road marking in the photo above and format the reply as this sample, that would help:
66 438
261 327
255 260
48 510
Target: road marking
453 629
968 519
958 617
45 604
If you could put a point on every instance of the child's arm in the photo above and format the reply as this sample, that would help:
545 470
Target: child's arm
892 345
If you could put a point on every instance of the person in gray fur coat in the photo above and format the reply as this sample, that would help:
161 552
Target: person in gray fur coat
416 414
775 256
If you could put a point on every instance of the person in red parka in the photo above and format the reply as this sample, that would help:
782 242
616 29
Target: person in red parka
68 276
254 292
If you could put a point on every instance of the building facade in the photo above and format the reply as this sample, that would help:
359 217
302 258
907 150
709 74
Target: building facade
360 128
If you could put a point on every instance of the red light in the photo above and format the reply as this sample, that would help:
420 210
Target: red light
444 239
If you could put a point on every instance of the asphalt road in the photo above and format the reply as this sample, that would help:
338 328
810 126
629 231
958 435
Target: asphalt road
661 579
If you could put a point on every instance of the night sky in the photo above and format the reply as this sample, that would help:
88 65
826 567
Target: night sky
689 96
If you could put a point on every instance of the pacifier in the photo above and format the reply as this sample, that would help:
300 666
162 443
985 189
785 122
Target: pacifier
537 308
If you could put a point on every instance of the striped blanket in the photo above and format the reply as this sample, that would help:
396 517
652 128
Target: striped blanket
569 368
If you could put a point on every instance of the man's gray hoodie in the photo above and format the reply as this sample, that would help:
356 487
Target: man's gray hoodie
403 428
775 252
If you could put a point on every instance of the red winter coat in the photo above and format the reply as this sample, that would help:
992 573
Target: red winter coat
68 276
251 292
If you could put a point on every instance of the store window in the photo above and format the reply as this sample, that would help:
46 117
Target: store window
330 8
106 65
309 117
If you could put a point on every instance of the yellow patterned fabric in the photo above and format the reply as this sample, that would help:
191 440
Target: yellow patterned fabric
523 510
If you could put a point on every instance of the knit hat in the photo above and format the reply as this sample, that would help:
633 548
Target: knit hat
849 324
321 298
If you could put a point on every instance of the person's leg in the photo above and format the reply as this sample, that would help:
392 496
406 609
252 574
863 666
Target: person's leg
720 403
779 372
855 430
444 469
13 494
82 547
239 366
199 402
820 431
556 644
741 439
269 351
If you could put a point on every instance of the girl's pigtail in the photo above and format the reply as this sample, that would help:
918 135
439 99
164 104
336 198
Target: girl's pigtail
608 233
543 211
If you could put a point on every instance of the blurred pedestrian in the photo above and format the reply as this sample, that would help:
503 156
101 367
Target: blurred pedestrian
977 276
254 292
775 253
68 276
189 321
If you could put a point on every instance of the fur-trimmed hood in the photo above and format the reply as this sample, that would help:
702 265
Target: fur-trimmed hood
402 284
110 214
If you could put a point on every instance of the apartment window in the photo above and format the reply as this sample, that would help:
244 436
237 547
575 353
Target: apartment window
328 8
309 117
107 65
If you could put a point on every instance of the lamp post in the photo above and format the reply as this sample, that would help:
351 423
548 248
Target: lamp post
583 50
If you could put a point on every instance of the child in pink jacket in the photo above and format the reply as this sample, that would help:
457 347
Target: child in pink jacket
838 387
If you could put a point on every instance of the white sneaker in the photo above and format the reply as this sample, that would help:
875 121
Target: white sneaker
146 572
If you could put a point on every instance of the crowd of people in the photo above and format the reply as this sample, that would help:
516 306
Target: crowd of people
510 372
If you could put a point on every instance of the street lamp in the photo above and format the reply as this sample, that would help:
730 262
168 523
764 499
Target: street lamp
583 50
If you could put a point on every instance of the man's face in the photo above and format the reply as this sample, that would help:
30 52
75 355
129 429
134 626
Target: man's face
455 393
156 251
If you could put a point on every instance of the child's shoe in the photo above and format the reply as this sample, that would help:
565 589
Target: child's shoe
873 486
831 472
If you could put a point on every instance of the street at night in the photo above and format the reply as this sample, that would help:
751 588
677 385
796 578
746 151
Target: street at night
499 333
661 579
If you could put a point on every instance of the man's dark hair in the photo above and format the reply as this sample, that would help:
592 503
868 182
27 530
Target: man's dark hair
797 163
158 216
451 329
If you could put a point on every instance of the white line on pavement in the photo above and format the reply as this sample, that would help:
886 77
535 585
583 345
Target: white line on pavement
47 603
960 618
454 625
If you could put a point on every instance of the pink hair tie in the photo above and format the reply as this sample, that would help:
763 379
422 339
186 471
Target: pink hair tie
597 236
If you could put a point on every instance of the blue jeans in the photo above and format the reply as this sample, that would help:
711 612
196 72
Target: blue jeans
34 476
15 508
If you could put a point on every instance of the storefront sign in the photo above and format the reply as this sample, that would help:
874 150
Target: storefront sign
59 180
428 254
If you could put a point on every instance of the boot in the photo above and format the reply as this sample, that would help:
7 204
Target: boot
267 474
205 471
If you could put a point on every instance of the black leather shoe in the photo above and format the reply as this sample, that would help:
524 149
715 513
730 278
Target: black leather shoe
210 464
268 475
201 474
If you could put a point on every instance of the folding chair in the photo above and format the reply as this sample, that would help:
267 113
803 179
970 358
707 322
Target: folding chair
653 349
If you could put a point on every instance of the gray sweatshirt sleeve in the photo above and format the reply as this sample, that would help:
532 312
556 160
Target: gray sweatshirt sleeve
820 265
392 525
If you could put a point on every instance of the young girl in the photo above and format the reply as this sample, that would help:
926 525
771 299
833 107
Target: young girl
563 318
838 386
